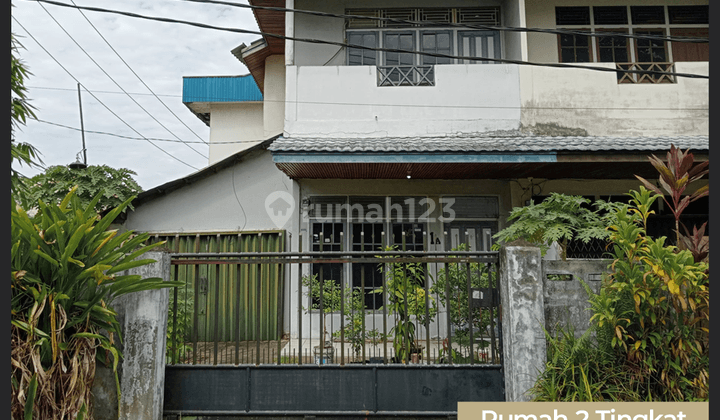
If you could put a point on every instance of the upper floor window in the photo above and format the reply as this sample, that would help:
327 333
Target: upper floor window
633 53
434 36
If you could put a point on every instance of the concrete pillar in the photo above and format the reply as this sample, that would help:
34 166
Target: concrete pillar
521 293
143 319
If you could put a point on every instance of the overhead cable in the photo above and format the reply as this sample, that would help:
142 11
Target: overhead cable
138 77
451 24
97 99
114 81
362 47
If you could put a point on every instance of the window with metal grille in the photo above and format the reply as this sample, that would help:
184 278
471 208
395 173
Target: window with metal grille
634 54
408 69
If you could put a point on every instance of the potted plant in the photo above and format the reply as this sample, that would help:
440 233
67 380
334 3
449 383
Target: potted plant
406 297
331 303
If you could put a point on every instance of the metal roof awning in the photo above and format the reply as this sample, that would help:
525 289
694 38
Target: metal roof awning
476 157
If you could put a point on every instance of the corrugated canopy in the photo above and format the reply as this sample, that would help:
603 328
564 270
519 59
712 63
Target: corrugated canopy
477 157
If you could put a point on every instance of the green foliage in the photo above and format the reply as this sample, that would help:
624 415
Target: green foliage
674 178
458 299
114 186
406 297
651 319
179 334
578 370
21 110
559 218
655 309
354 330
65 273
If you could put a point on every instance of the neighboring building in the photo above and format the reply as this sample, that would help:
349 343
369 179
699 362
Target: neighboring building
456 143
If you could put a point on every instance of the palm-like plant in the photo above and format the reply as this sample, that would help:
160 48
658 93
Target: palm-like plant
674 179
65 272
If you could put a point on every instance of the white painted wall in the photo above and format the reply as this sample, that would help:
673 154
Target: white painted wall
594 101
345 101
234 127
274 96
231 200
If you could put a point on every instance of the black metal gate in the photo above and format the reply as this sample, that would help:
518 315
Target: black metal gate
435 340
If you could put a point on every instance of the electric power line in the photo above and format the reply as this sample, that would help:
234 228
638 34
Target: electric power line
451 24
114 81
416 105
97 99
136 75
362 47
142 139
413 105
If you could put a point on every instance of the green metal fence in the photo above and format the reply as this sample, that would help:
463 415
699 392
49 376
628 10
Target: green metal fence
225 309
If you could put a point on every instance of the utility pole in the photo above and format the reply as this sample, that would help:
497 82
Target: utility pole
82 127
77 164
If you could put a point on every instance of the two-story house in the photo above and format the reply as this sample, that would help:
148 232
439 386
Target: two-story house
495 102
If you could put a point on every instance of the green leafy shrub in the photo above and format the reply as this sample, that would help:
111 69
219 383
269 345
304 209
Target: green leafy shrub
559 218
578 370
65 273
451 287
655 309
354 330
406 297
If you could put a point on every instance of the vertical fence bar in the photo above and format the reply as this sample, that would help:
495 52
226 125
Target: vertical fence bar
499 310
406 315
492 312
362 292
196 300
342 306
300 317
258 285
385 301
238 269
322 308
470 312
426 269
280 277
216 337
447 303
468 276
175 309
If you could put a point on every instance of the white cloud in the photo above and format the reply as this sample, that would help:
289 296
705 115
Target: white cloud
160 53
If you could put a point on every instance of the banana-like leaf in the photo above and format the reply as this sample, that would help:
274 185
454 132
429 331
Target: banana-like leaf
30 398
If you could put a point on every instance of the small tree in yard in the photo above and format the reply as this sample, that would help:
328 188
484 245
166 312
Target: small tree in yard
65 267
651 316
559 218
115 186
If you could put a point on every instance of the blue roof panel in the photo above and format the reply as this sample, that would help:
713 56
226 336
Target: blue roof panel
221 89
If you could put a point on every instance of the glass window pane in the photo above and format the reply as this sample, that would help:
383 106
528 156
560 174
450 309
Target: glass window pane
689 14
647 14
443 41
583 55
572 15
610 15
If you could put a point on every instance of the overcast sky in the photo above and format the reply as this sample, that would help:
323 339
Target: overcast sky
159 53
